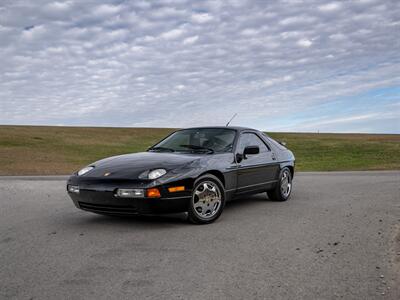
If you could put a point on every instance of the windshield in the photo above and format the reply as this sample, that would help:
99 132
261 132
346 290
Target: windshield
203 140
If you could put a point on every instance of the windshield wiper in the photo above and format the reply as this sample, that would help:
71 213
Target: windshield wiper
194 147
161 148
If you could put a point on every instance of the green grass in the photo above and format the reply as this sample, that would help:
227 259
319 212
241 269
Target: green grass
29 150
343 152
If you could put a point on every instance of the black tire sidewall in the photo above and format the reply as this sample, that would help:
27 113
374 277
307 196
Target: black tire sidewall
193 217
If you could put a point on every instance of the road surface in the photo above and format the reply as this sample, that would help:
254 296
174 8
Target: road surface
337 237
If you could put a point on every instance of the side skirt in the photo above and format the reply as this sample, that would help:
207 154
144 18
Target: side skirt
255 189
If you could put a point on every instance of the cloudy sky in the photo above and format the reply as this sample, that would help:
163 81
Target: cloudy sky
281 65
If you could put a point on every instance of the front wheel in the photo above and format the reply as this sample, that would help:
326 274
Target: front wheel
208 200
283 188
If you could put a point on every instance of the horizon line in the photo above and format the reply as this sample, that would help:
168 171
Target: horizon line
176 128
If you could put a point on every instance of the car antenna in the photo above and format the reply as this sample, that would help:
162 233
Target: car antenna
227 124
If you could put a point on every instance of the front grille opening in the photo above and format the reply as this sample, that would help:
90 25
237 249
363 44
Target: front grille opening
108 209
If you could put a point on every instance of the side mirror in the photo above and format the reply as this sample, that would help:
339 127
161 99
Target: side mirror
249 150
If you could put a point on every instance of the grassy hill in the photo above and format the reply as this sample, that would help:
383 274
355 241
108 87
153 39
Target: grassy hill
42 150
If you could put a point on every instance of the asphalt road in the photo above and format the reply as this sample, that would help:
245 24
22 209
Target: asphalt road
338 237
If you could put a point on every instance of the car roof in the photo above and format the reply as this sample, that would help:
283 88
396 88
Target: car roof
237 128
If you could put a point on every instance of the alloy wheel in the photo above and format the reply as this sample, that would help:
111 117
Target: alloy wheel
207 199
286 184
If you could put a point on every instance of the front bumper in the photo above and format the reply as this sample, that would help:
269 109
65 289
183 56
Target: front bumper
99 197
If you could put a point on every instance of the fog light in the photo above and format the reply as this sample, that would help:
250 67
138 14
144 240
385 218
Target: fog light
130 193
73 189
153 193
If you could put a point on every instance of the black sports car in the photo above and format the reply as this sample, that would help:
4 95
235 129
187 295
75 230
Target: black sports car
193 170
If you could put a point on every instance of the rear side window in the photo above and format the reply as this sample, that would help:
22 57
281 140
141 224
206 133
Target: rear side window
276 144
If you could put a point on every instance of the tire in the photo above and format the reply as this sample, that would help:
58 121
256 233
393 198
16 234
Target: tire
208 200
283 189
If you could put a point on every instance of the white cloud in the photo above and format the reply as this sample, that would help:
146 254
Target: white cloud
59 6
172 34
301 19
274 81
333 6
201 18
165 12
190 40
347 123
106 9
304 43
337 36
350 119
282 60
250 32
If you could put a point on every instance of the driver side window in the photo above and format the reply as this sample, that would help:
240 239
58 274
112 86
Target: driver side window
251 139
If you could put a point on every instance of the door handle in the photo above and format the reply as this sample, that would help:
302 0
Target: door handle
273 156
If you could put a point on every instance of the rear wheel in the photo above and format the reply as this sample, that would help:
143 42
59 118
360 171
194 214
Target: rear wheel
283 189
208 200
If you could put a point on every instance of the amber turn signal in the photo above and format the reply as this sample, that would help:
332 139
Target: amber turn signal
174 189
153 193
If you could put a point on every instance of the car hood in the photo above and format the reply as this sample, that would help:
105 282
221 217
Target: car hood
130 166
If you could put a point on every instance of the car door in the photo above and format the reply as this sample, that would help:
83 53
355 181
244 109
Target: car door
258 171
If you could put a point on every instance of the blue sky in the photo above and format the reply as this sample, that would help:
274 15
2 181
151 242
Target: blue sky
281 65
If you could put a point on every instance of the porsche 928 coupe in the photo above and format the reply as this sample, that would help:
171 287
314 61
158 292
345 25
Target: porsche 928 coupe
195 170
